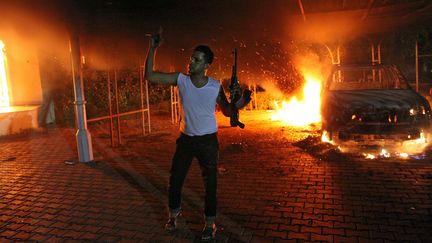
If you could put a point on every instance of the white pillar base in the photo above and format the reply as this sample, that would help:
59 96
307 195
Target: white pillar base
85 148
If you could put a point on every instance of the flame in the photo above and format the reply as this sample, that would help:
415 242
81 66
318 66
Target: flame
409 149
302 112
326 138
415 146
4 93
403 155
384 153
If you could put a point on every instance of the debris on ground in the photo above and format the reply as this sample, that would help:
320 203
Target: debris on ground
222 170
236 147
69 162
319 149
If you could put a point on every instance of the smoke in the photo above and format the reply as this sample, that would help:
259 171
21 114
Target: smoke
271 88
33 34
326 27
36 28
332 23
312 63
113 33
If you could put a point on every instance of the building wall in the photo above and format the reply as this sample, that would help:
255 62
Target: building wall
24 77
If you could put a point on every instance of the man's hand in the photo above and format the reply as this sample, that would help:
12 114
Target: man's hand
235 90
156 39
244 100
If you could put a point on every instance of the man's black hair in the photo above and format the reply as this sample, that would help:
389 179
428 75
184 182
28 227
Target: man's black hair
208 54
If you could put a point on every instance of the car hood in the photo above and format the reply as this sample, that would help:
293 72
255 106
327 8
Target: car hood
370 105
378 99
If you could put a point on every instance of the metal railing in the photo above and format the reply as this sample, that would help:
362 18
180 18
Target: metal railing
145 108
174 104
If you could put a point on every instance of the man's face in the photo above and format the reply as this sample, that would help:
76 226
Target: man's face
197 63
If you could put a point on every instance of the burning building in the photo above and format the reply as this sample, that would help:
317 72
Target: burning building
20 85
29 33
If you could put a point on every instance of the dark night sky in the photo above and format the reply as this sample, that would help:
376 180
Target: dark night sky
189 21
222 25
193 20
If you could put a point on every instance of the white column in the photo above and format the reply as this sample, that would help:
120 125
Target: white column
83 137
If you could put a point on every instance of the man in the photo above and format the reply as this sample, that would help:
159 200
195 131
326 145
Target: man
199 95
52 78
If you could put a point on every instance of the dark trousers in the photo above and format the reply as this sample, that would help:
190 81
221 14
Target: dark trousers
206 149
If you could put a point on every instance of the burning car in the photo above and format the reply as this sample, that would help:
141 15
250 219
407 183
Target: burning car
372 105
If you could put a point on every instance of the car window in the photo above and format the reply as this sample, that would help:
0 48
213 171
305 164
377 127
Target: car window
363 78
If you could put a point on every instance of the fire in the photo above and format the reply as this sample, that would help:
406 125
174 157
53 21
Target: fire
325 138
408 149
416 146
301 112
4 93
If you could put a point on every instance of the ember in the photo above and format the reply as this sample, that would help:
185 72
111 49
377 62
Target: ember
4 93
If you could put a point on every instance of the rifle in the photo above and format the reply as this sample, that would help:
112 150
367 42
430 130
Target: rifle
235 95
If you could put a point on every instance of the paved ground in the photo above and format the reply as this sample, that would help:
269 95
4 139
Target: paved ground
270 189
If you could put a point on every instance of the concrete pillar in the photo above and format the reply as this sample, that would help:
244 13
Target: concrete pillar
83 137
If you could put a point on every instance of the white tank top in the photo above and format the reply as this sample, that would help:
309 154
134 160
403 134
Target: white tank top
197 106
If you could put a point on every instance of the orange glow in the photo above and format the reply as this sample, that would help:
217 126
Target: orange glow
369 156
4 92
305 111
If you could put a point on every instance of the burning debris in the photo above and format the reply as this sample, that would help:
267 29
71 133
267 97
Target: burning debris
326 150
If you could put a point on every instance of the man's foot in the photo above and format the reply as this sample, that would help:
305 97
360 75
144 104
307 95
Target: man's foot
170 226
209 233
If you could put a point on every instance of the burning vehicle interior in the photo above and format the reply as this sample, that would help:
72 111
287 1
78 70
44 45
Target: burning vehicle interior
373 107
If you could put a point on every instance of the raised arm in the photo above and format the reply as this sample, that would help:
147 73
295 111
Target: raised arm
150 74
